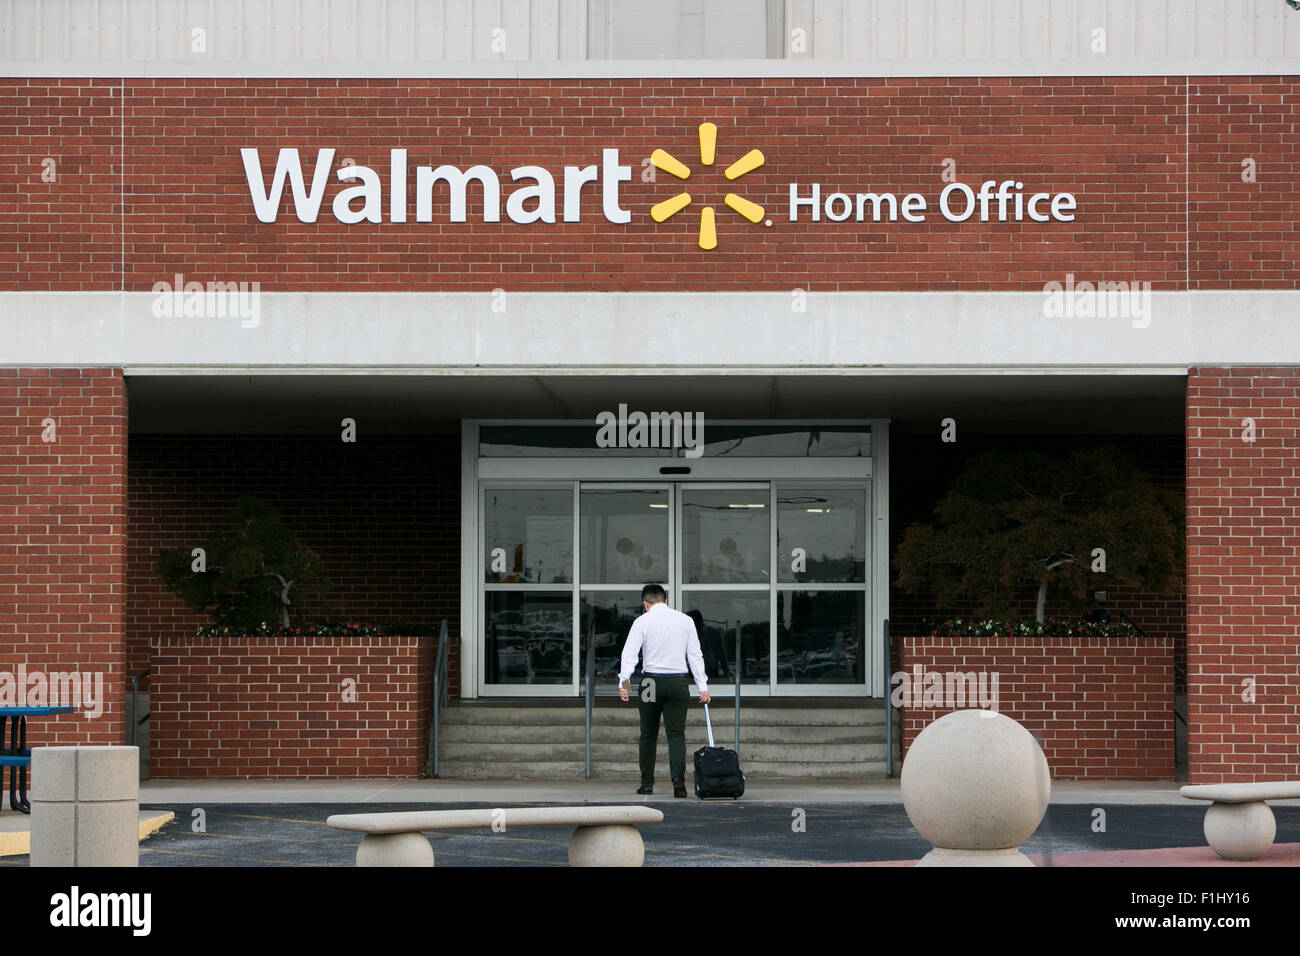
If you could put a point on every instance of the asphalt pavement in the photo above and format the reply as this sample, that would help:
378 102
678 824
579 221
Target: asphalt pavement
693 833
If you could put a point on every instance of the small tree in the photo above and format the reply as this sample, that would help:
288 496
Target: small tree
258 572
1022 519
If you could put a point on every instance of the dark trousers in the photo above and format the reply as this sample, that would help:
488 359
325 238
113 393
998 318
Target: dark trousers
667 695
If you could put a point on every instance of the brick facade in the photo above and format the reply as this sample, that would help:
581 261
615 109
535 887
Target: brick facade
63 541
1101 708
1121 145
283 707
1243 540
1155 163
383 514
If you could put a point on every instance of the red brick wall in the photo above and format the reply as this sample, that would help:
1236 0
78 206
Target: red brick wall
65 234
383 514
63 538
1120 144
1242 235
277 707
1243 597
1102 709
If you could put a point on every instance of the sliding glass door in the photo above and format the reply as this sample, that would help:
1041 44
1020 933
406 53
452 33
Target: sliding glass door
775 575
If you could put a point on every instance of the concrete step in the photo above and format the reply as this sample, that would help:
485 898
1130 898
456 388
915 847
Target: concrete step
757 769
628 734
505 753
573 769
750 716
496 740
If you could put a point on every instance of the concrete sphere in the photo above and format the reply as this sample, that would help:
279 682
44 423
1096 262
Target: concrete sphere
975 780
606 846
1240 831
395 849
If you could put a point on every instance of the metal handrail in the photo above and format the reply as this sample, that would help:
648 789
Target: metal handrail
588 685
736 685
1134 624
889 708
1179 715
136 719
440 697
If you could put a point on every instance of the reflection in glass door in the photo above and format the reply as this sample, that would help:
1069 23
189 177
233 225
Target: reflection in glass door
528 591
725 579
821 597
624 542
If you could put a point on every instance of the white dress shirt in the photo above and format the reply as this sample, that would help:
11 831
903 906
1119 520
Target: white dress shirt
667 643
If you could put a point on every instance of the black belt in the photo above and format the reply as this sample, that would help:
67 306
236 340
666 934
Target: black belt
657 674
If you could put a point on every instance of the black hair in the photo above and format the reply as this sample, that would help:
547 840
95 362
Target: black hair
653 594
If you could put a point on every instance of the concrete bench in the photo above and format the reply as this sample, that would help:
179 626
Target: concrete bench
603 836
1239 825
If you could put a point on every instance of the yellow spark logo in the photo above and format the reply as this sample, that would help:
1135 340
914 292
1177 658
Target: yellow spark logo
708 143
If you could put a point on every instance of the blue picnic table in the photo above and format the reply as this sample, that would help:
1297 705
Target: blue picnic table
17 757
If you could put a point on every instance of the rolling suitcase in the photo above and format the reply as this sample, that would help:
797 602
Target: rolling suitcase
717 769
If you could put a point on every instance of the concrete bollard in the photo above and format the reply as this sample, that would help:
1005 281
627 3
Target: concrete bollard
976 785
85 806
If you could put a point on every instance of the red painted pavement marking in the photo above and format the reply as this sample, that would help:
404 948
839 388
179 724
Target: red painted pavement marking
1279 854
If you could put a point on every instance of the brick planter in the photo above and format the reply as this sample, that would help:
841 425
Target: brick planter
282 707
1102 708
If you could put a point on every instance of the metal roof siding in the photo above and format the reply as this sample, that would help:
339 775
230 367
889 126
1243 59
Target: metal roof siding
907 37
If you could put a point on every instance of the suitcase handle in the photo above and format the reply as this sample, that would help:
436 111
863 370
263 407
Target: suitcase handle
709 724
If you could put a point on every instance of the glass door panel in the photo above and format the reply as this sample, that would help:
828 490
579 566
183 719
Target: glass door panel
821 591
528 637
821 535
527 568
819 637
624 535
725 535
725 574
605 617
528 535
624 542
720 618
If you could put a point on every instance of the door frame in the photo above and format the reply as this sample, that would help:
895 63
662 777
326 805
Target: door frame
476 473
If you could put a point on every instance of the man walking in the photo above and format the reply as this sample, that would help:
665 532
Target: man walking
667 643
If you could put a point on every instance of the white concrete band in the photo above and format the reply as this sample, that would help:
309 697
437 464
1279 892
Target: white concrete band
597 332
